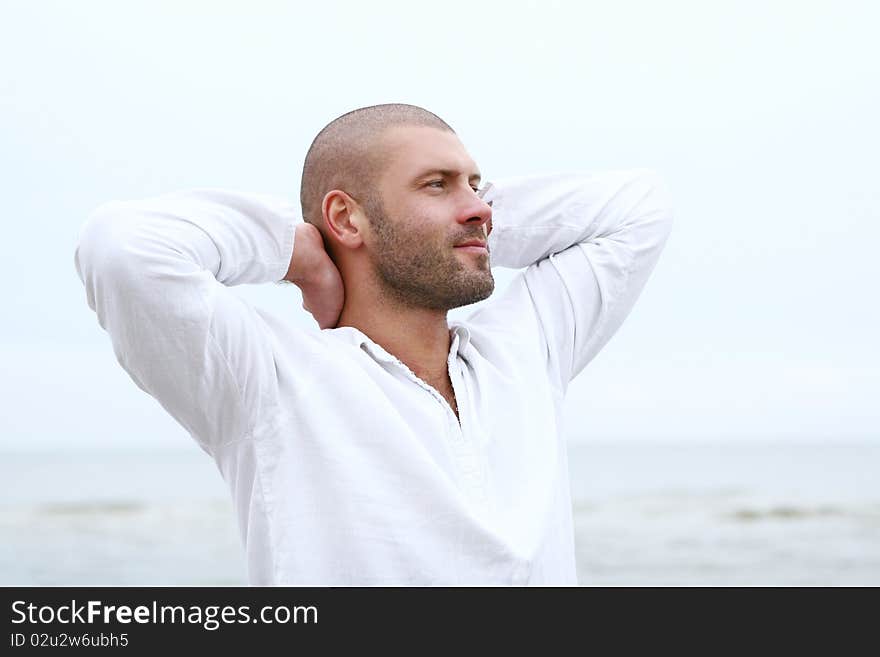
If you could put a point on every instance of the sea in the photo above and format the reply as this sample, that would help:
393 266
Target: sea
645 514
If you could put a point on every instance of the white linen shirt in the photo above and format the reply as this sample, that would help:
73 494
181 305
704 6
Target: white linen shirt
344 467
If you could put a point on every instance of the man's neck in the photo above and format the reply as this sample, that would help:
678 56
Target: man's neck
417 337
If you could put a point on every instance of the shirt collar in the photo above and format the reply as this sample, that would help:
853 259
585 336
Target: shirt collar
464 336
460 334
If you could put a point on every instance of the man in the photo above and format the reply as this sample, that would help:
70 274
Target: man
389 446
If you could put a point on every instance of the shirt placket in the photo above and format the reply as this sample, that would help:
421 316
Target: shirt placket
461 441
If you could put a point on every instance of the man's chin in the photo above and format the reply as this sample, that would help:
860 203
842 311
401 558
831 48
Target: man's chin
476 295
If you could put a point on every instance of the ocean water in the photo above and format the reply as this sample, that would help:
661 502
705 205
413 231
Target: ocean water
644 513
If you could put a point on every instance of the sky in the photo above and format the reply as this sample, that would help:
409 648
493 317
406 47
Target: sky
757 323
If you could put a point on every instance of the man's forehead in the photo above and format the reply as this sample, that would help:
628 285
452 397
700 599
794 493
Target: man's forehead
416 151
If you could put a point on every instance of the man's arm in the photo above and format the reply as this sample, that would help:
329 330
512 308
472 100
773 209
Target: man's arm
156 273
590 242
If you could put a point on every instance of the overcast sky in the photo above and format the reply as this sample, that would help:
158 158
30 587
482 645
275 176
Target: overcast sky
758 322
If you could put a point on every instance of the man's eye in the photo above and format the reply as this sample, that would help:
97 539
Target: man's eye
440 182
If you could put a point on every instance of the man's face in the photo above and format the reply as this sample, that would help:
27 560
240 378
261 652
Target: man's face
428 205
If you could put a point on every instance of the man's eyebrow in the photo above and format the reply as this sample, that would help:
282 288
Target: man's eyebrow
448 173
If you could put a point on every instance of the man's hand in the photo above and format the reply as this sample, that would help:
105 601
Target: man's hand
315 274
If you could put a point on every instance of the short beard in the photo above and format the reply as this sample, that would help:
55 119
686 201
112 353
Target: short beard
419 275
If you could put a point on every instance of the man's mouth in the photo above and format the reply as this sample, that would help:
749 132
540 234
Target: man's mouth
475 243
473 246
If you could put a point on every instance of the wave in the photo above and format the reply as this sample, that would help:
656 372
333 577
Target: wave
86 508
804 513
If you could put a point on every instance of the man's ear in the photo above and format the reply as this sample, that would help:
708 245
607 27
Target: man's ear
344 219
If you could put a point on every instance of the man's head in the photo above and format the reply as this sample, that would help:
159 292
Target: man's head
393 191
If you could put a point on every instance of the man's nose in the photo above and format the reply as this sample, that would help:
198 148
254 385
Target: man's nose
480 213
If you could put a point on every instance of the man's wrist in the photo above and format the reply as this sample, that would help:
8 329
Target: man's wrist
308 257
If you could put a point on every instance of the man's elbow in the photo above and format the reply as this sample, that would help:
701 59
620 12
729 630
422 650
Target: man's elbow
102 251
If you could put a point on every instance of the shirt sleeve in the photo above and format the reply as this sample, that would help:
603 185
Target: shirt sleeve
156 273
589 241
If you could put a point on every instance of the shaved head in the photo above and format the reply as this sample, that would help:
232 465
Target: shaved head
348 155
